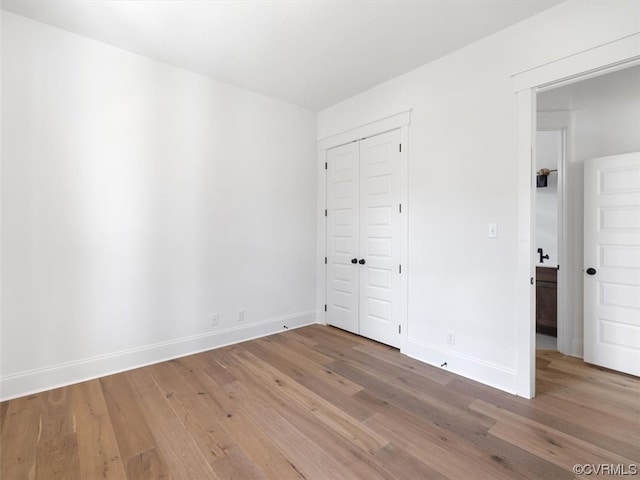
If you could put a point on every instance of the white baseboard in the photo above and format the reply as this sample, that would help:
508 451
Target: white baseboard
34 381
484 372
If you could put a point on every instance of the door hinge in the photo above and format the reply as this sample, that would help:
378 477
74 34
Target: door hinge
325 260
400 148
325 165
325 212
325 307
399 329
399 268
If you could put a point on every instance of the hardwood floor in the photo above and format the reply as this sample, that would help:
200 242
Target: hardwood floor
319 403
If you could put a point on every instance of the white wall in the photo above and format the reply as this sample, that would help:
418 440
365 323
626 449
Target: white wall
137 200
462 176
606 115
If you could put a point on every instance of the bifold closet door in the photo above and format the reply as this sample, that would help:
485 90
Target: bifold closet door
342 236
380 238
363 237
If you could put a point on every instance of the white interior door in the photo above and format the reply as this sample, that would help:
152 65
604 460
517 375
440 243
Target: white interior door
380 237
364 237
612 262
342 236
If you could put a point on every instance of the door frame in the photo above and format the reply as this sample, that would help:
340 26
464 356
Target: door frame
399 121
606 58
562 121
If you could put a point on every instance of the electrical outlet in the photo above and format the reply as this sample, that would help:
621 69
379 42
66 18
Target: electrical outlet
451 337
215 319
241 315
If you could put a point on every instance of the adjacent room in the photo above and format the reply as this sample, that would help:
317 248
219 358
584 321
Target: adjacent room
319 239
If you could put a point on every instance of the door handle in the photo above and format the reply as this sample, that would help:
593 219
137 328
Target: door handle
591 271
361 261
354 260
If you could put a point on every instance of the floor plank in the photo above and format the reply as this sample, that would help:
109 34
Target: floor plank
4 406
20 436
579 421
97 446
331 449
57 458
320 403
177 447
329 414
57 455
148 464
125 413
557 447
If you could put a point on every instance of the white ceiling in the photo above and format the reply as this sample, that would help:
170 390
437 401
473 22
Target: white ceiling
311 53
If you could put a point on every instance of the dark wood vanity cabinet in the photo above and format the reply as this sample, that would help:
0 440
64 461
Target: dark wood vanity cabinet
547 301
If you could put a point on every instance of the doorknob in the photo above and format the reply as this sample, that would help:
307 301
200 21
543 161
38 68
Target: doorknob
591 271
361 261
354 260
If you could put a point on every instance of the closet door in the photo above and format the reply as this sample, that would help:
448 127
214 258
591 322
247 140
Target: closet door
380 234
342 236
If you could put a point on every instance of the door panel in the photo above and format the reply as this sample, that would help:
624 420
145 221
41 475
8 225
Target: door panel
342 236
380 237
612 248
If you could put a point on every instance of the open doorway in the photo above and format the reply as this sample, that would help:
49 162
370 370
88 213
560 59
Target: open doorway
595 117
549 164
603 59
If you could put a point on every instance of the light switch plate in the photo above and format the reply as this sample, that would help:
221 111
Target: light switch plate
493 230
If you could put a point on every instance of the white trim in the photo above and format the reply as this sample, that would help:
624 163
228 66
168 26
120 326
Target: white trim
383 125
399 121
609 57
591 74
34 381
488 373
615 55
525 290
